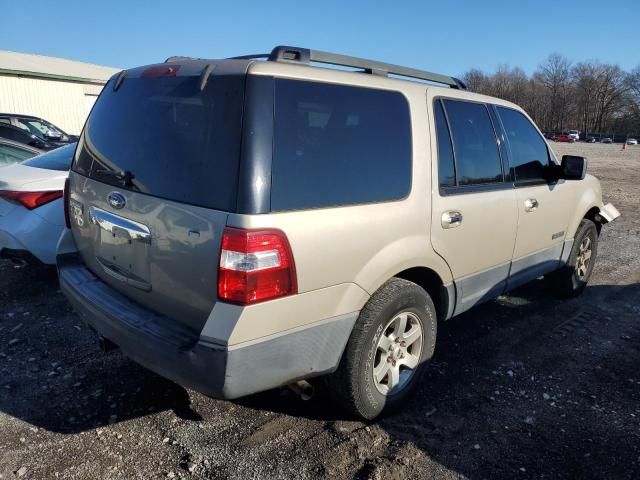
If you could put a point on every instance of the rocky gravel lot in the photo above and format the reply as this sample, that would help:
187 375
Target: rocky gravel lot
527 386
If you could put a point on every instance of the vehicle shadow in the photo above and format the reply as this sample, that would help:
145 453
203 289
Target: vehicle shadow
52 373
527 381
527 385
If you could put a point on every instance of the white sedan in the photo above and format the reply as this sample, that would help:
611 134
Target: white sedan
31 206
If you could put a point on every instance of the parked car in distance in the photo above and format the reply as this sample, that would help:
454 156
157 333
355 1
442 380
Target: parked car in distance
325 234
632 141
563 137
606 140
591 139
39 127
31 207
19 135
14 152
575 134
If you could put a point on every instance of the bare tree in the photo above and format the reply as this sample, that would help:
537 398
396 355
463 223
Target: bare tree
589 96
475 80
600 92
555 76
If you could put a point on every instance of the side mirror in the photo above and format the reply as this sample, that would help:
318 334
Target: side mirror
571 168
52 134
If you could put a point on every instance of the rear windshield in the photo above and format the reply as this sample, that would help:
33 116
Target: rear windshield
58 159
165 137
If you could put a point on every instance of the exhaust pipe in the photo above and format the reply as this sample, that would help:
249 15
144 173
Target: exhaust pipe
303 389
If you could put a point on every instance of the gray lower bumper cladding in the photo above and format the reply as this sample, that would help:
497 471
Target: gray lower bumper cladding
175 352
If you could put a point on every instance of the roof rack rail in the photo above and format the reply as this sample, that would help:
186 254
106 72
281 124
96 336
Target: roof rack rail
306 55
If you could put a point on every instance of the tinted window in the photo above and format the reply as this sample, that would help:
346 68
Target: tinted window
338 145
529 155
58 159
10 154
14 134
446 170
177 141
474 142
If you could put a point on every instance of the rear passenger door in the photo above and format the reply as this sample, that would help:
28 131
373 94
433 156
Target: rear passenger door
473 218
543 207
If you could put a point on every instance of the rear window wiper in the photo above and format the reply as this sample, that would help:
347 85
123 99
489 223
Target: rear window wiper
126 177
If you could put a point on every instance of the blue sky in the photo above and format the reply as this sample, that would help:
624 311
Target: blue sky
443 36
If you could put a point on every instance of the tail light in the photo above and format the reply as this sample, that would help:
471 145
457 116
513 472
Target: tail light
255 265
32 200
65 202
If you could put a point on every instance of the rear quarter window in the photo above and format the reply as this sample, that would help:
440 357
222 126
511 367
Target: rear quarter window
338 145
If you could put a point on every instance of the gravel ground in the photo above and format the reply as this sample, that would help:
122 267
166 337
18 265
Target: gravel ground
525 386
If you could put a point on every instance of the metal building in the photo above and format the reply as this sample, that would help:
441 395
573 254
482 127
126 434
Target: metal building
58 90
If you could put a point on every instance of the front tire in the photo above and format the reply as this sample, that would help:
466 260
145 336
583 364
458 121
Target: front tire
391 342
571 279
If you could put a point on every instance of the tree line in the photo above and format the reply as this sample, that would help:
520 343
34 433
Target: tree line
595 98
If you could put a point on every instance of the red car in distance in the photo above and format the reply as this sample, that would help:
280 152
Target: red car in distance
563 137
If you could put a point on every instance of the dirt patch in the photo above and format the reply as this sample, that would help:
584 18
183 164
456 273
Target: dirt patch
525 386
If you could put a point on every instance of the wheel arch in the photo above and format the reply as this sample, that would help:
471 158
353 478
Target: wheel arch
442 295
593 214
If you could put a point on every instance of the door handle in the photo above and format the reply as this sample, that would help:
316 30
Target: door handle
451 219
531 204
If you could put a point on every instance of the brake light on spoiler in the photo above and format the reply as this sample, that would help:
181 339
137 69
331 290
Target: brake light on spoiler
255 266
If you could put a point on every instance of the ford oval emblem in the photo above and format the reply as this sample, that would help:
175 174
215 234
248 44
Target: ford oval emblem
116 200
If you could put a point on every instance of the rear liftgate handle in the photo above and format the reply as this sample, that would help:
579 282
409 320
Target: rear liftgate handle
451 219
114 223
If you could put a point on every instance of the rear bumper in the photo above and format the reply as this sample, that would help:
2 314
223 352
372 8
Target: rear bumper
179 354
32 231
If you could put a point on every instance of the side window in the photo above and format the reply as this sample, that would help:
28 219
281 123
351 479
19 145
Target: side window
474 142
529 154
338 145
446 169
14 134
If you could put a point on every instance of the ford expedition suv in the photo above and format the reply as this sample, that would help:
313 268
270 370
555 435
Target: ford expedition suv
242 224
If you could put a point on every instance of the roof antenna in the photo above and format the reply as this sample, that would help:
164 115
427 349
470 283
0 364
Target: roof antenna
204 76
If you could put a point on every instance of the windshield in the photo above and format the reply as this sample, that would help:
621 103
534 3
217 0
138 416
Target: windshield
38 127
166 137
58 159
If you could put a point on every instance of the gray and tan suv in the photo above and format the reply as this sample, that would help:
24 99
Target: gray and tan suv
242 224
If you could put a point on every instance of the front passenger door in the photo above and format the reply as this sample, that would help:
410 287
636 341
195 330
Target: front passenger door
543 207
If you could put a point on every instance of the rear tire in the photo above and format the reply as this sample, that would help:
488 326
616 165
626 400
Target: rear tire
389 346
571 279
